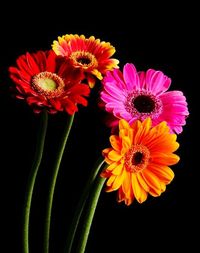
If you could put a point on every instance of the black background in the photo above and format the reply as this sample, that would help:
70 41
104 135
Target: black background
162 37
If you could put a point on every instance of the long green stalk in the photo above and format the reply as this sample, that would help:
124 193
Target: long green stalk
91 207
32 178
81 204
53 183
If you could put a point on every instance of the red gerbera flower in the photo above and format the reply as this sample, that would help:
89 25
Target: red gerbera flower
46 82
89 55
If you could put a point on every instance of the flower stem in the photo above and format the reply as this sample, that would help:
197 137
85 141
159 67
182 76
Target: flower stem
53 183
90 210
32 177
81 204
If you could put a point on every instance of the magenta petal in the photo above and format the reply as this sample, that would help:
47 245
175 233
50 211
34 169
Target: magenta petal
157 82
175 110
142 77
131 77
108 98
115 78
114 91
111 106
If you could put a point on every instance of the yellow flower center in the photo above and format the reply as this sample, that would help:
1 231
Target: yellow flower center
48 84
83 59
137 158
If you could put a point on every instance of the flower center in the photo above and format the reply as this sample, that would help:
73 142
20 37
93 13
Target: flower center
143 104
137 158
48 84
83 59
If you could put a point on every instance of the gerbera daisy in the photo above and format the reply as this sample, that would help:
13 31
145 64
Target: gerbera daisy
135 95
45 81
139 159
91 56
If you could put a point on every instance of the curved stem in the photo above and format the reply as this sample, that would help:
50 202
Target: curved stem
32 178
81 204
53 183
90 210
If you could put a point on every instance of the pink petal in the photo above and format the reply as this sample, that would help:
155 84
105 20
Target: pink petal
175 110
142 77
157 82
115 77
131 77
114 91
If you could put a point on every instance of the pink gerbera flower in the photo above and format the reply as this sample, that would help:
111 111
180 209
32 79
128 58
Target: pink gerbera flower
133 95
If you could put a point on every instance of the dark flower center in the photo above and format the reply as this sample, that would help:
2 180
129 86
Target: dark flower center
137 158
83 60
144 104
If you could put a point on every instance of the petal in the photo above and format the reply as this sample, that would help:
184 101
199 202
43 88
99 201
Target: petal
115 142
139 192
110 180
142 131
112 166
118 169
157 82
131 77
164 173
123 124
164 159
152 181
126 185
114 156
142 182
118 181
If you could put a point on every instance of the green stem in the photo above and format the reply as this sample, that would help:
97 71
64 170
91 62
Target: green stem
90 210
32 177
53 183
81 204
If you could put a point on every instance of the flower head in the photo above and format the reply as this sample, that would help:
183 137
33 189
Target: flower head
91 56
133 95
139 159
45 81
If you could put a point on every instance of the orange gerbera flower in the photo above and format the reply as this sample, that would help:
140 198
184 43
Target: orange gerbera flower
139 159
91 56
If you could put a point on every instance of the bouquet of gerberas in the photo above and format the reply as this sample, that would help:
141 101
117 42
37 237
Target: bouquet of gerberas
143 116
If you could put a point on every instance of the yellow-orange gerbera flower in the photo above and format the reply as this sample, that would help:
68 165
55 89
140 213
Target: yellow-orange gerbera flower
91 56
139 159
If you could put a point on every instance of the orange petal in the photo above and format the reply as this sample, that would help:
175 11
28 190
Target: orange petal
139 192
164 159
91 81
114 156
123 124
152 181
118 169
126 144
110 180
115 142
96 73
120 195
142 182
118 181
126 185
112 166
164 173
141 130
